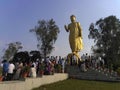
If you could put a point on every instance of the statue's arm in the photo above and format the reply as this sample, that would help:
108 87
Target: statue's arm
80 30
66 28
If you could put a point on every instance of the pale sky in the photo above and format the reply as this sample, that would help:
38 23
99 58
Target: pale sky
17 17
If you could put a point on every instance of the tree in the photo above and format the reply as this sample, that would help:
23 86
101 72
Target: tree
22 56
12 48
34 55
106 35
46 33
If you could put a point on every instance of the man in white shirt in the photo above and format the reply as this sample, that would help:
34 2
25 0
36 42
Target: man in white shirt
11 68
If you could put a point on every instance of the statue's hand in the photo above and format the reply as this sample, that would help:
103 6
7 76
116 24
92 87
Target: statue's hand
66 28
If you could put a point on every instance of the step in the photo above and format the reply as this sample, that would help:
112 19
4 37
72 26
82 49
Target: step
91 74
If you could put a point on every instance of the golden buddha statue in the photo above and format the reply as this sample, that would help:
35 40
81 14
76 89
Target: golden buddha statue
75 36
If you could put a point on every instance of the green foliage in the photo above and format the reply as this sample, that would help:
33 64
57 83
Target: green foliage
26 69
42 66
46 33
22 56
11 50
106 35
35 55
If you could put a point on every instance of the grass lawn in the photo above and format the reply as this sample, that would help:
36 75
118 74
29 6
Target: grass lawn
74 84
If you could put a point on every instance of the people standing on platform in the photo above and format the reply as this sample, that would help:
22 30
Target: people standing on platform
33 71
5 69
83 66
63 65
11 68
18 67
86 61
83 57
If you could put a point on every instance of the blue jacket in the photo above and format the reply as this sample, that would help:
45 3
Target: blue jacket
5 67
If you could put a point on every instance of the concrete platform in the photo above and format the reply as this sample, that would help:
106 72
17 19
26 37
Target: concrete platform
30 83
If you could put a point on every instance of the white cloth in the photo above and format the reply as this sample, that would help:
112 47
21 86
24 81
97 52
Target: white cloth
11 67
33 72
83 68
57 60
83 57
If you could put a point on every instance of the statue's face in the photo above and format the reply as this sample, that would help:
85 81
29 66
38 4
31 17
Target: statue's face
73 19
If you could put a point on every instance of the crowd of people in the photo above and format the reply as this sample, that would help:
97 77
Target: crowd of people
91 62
86 61
16 70
48 66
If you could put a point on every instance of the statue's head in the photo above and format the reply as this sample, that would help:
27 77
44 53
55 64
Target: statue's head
73 18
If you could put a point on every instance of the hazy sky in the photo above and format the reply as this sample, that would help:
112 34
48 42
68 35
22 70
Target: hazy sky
17 17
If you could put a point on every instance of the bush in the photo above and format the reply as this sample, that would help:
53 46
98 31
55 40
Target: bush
26 69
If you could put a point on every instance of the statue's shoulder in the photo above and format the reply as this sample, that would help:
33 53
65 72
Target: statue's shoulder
78 23
69 24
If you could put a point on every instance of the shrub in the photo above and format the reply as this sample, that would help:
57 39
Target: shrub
26 69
